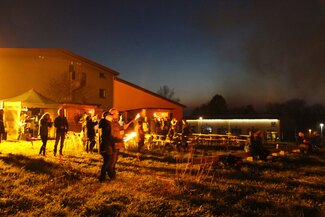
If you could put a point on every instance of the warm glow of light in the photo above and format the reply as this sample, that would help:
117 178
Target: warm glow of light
137 116
20 123
234 120
321 125
130 136
160 115
200 118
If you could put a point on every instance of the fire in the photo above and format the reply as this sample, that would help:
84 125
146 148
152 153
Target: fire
130 136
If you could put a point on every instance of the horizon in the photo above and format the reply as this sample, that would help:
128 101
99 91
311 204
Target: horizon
251 53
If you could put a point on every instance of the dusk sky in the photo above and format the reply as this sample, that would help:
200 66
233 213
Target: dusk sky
248 51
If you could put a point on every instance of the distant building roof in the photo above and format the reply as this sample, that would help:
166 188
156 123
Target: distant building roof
149 92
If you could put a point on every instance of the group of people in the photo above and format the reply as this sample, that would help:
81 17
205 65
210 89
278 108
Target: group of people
45 122
61 125
111 135
165 126
307 144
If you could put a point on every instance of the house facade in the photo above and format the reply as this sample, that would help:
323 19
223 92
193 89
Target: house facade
68 78
56 73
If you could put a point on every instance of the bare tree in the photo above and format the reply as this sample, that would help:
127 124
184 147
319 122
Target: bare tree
64 90
59 88
168 93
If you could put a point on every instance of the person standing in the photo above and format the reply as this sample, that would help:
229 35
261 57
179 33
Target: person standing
61 125
118 133
2 126
45 123
140 138
90 125
185 134
106 146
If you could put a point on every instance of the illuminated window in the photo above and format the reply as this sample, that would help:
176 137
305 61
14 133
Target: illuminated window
102 93
206 129
102 75
161 114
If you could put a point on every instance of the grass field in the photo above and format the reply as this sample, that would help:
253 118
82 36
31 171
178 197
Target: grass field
32 185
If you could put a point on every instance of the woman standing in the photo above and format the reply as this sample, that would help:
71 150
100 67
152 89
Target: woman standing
45 123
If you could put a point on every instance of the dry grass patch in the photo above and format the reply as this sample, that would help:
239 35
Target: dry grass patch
30 185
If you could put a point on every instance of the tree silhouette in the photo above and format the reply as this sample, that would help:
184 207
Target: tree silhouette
243 110
217 106
168 93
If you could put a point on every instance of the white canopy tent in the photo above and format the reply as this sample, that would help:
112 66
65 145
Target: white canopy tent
13 107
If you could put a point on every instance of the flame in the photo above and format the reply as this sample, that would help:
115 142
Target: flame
137 116
130 136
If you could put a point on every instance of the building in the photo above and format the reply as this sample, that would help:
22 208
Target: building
134 99
68 78
237 127
56 73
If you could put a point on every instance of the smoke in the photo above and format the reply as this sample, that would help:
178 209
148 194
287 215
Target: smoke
282 42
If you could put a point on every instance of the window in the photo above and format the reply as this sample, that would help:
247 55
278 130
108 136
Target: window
83 79
102 93
236 131
73 75
222 130
72 72
206 129
102 75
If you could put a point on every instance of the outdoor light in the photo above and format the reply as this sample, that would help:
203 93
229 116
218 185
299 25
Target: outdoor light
199 123
321 132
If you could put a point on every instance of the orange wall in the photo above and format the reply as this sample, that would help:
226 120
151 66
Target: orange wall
23 69
128 97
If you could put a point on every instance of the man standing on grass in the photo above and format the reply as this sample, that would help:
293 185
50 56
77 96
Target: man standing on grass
61 124
106 146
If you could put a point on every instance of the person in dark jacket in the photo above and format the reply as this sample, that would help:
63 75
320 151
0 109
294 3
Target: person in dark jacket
45 123
90 125
185 134
2 126
257 148
61 124
106 146
140 138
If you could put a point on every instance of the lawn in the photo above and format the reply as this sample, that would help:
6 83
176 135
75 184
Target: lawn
159 185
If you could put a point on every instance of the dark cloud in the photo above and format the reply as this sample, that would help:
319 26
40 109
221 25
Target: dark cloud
282 41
